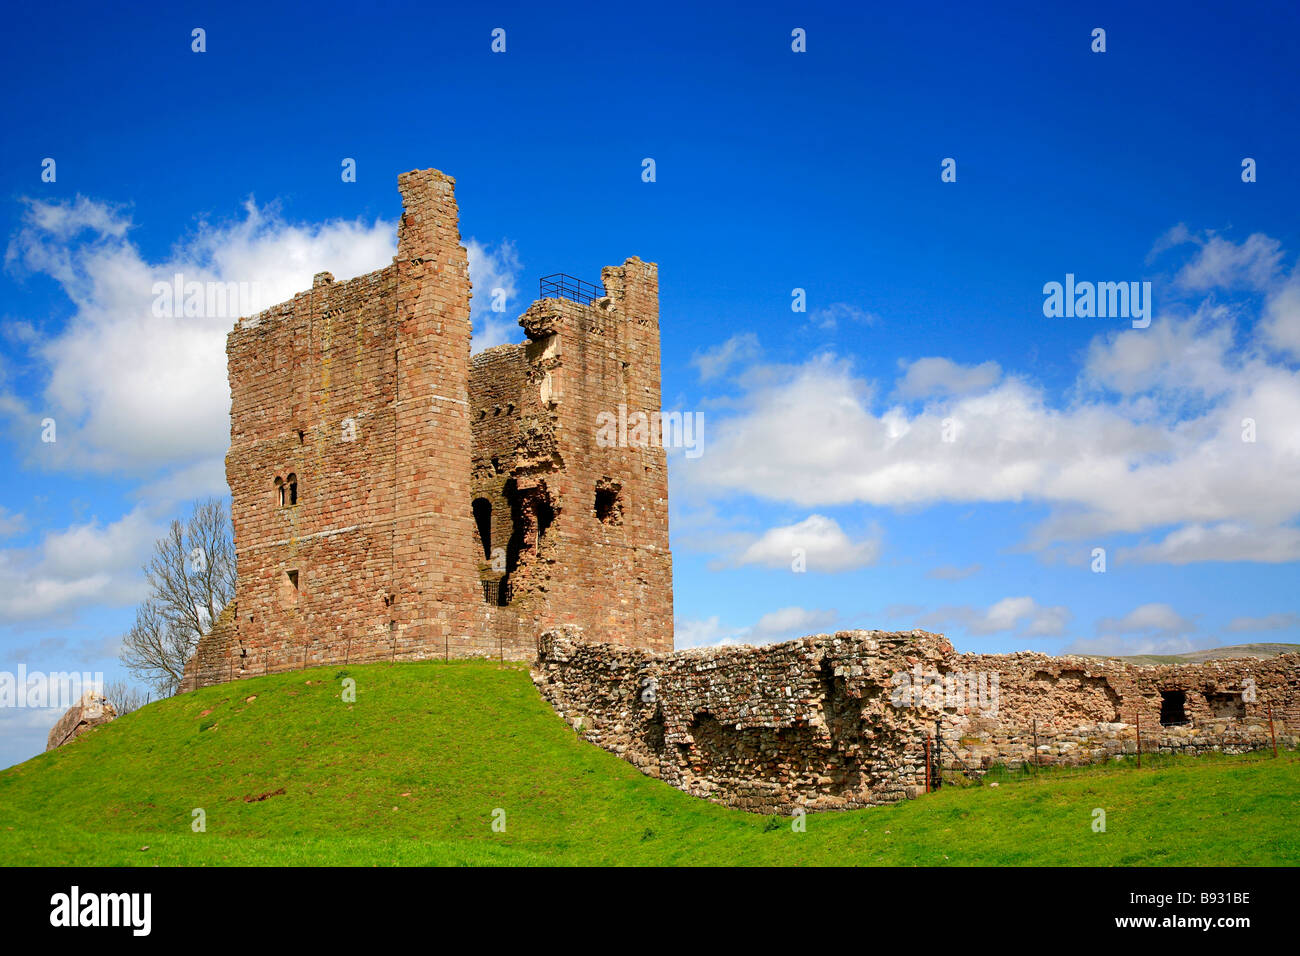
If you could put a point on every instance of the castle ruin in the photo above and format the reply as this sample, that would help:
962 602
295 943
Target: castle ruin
395 499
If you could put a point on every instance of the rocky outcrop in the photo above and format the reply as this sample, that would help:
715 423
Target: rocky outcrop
92 710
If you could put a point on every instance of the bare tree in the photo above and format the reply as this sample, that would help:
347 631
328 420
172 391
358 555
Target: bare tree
191 580
124 697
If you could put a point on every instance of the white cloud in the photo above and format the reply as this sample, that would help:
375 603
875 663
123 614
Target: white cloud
1152 618
832 315
1012 615
1226 541
133 391
10 522
1270 622
1281 323
494 274
933 376
1173 355
949 572
713 362
1113 645
1176 236
1222 263
130 390
823 542
84 564
788 623
785 623
693 632
1167 452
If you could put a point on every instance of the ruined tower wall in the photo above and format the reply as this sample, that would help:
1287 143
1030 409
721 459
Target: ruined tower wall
312 391
565 558
437 600
358 403
613 573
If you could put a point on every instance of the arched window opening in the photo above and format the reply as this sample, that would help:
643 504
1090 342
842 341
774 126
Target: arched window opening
279 491
293 488
483 518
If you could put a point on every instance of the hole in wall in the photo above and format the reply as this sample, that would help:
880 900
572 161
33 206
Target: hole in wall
1173 708
609 504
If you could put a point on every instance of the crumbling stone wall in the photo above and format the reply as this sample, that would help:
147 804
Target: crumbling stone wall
584 519
1084 709
804 723
841 721
362 434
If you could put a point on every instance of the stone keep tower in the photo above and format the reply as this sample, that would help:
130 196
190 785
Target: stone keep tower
393 499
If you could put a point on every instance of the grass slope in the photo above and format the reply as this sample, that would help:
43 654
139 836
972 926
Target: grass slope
411 774
1211 654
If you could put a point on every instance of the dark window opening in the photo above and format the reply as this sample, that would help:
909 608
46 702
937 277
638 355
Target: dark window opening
293 578
483 518
609 506
300 437
545 515
293 489
1173 707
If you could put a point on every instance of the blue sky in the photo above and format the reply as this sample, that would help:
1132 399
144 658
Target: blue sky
775 171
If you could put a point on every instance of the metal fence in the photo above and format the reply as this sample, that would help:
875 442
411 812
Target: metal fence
561 286
496 592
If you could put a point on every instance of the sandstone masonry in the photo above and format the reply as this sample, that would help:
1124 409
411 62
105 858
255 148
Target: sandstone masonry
393 499
841 721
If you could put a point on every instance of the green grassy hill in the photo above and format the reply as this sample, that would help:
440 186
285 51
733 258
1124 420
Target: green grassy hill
287 773
1211 654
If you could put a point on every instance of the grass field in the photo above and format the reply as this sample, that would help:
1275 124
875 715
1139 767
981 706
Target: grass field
412 772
